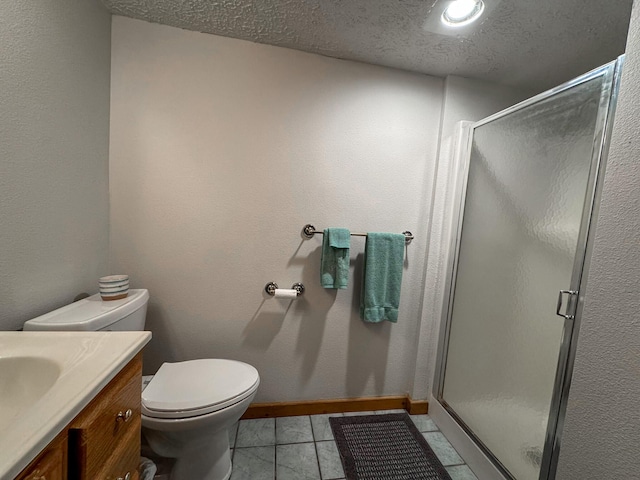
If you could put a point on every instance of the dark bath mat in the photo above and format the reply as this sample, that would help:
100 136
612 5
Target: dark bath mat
385 447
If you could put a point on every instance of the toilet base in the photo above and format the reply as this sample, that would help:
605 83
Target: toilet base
204 459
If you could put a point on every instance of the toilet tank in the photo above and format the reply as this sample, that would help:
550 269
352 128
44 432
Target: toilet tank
93 313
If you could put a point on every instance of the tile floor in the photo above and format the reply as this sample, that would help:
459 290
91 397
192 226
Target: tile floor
303 448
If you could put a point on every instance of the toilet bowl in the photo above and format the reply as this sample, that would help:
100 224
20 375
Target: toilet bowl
187 407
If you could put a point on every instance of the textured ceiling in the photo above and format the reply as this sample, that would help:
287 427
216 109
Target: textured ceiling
535 44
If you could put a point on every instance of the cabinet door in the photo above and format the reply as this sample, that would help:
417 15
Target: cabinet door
123 463
107 433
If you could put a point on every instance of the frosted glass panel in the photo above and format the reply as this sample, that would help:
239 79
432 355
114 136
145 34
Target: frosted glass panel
528 175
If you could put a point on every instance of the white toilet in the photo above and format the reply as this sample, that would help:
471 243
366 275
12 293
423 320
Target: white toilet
187 407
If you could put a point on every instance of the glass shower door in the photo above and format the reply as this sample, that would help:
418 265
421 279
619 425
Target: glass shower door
522 240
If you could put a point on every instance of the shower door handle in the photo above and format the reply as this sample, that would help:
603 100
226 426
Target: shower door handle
559 306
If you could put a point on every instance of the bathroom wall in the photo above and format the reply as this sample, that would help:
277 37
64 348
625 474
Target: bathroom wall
602 428
54 131
221 151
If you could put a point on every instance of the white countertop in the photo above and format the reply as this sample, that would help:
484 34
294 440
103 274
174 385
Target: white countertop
87 362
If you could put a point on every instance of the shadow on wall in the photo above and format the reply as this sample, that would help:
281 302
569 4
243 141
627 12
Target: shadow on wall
160 325
320 301
312 307
368 344
263 327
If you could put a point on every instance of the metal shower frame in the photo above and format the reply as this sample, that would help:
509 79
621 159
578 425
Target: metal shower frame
611 73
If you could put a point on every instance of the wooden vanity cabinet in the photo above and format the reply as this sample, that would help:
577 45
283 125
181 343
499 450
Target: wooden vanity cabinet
51 464
103 441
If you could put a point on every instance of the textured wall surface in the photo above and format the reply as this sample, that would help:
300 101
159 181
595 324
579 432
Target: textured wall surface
602 430
517 42
221 151
54 140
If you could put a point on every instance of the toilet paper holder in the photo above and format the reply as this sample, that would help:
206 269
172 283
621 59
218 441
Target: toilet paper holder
270 288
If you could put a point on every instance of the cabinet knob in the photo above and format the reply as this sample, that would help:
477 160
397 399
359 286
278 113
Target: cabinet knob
126 477
124 417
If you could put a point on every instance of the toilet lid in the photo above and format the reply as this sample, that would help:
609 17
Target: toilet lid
196 387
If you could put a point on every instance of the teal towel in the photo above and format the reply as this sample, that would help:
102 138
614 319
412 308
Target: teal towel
383 262
334 266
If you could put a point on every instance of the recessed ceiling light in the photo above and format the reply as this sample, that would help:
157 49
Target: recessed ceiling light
462 12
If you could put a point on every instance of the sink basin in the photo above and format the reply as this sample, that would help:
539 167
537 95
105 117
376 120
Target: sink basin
23 381
46 379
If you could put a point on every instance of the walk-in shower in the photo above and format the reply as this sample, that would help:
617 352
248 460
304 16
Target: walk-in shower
516 282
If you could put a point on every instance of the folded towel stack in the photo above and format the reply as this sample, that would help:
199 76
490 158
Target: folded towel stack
334 266
383 263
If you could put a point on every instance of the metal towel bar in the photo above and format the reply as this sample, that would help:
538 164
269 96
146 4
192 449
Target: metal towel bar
309 231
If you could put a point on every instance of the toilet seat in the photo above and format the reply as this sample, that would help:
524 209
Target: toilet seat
197 387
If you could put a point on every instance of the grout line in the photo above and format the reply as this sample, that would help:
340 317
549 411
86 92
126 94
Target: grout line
315 447
233 447
278 444
235 438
